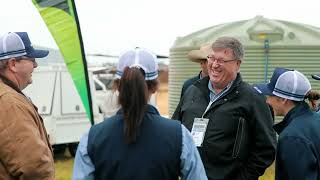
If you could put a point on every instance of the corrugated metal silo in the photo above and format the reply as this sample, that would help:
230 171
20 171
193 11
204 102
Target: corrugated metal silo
268 44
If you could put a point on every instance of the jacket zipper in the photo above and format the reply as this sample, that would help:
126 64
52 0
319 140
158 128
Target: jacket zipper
237 143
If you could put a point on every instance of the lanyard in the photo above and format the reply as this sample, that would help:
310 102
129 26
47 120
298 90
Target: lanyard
209 105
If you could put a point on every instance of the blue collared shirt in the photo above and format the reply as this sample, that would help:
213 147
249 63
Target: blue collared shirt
215 96
191 166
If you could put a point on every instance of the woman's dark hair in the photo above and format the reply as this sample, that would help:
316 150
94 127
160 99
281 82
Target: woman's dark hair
133 97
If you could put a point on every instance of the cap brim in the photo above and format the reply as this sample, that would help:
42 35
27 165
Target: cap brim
37 53
263 89
316 76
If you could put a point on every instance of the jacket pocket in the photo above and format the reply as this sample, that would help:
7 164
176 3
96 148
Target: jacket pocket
239 138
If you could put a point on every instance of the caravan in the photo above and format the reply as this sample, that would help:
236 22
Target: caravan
59 103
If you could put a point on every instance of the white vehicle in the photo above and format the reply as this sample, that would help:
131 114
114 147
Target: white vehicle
106 95
61 108
59 103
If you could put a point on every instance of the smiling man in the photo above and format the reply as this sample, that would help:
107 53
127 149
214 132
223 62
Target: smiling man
25 151
231 124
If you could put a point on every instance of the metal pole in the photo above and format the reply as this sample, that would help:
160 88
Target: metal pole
266 59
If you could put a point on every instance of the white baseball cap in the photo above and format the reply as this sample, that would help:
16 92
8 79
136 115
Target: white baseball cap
141 58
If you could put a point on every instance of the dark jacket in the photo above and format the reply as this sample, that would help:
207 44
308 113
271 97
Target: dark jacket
188 83
298 151
155 154
239 142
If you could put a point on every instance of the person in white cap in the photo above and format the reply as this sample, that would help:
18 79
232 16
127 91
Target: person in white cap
25 151
137 143
198 56
298 149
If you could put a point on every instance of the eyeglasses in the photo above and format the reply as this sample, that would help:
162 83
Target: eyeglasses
219 61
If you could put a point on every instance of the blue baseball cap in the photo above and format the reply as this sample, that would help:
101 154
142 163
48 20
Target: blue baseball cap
268 88
286 83
16 44
316 76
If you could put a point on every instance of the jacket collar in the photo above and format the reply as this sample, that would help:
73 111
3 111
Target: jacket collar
297 111
203 85
236 82
199 76
150 109
9 83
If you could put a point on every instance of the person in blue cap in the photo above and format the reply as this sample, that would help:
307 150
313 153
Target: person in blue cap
25 151
298 148
137 143
316 105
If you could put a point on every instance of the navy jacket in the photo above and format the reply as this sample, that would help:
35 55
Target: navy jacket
298 150
155 154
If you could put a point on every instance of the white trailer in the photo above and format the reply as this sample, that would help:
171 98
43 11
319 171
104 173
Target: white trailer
61 108
59 103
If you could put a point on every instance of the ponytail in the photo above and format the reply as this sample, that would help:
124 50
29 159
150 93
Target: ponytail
133 97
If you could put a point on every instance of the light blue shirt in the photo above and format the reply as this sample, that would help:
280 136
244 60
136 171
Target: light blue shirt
215 96
191 166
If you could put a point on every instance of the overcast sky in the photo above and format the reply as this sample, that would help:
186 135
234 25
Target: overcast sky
109 27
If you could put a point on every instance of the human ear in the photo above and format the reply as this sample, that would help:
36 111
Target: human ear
12 63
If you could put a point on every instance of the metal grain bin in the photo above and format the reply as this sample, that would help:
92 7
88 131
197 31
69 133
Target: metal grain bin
268 44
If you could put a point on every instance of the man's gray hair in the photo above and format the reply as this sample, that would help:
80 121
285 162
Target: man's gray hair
230 43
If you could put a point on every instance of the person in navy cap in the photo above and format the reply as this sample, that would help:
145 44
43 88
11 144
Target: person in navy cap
298 148
137 143
316 105
25 151
316 76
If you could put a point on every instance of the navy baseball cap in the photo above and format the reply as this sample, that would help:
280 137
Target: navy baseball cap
268 88
16 44
316 76
286 83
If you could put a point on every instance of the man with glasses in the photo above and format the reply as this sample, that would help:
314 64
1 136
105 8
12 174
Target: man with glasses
25 151
230 123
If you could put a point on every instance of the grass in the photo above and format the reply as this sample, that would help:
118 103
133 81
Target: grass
64 165
268 174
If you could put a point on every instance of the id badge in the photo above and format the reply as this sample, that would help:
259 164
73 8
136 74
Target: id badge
198 130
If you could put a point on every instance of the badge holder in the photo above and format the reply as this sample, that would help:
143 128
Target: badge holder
198 130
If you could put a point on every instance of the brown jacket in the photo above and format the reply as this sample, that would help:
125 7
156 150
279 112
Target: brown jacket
25 151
